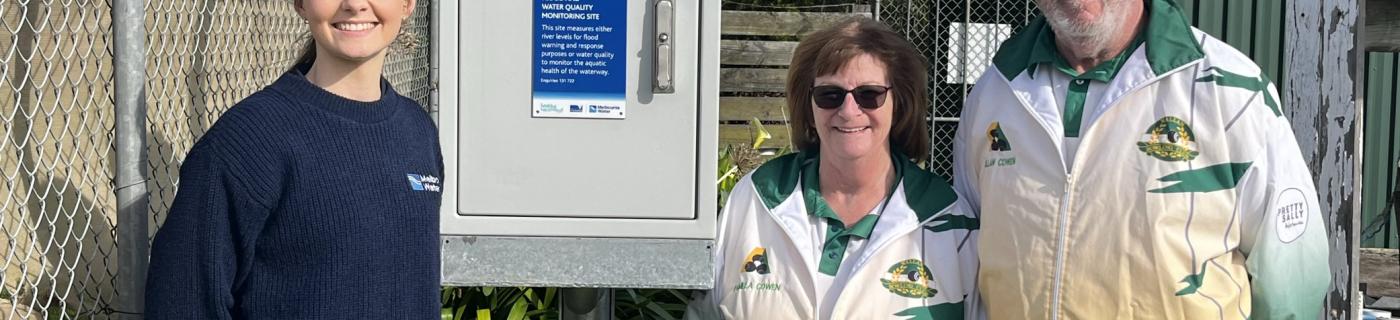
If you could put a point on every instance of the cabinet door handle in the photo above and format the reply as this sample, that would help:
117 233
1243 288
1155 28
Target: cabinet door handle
664 55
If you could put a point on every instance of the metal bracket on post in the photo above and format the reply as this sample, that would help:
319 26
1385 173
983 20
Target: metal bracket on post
585 304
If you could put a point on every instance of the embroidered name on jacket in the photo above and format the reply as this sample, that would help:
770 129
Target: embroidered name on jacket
760 286
419 182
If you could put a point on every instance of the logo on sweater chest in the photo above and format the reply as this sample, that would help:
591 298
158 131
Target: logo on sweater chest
426 183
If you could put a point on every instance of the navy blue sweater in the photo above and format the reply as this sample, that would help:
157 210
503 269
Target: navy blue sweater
301 204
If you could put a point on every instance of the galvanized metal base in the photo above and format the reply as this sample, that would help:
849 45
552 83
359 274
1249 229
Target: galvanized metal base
576 262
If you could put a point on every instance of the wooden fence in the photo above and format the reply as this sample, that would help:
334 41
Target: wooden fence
755 50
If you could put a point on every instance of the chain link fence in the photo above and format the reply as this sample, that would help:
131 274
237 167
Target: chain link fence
57 205
959 38
56 121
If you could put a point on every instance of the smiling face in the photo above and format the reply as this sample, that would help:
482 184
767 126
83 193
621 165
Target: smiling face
849 131
354 30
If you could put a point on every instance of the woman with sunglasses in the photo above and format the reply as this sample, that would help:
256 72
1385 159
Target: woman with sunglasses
850 226
314 198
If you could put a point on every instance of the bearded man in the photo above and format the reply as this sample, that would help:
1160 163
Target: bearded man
1125 165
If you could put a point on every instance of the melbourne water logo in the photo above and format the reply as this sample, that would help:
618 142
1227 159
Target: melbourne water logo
603 109
424 183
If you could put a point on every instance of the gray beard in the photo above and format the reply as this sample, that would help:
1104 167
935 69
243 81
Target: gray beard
1084 37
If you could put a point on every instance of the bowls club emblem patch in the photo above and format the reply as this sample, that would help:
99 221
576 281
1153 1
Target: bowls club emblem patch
910 279
1169 139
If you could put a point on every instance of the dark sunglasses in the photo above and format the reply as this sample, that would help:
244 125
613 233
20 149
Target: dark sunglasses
831 97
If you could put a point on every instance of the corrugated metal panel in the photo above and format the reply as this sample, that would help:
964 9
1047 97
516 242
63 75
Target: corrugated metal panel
1210 17
1380 152
1239 28
1255 27
1190 8
1268 38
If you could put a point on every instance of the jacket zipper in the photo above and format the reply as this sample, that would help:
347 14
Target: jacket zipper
1061 238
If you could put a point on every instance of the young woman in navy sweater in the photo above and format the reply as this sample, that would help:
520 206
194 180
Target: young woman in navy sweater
316 197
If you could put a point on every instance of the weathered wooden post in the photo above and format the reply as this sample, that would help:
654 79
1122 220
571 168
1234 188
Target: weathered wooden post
1321 93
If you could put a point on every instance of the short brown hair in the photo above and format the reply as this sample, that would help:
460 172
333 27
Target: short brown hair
824 52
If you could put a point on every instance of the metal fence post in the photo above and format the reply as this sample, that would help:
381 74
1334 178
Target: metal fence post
435 17
129 55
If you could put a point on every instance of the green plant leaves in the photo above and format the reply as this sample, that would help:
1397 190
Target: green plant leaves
459 303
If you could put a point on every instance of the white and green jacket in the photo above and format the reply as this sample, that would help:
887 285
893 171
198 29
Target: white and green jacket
917 258
1188 197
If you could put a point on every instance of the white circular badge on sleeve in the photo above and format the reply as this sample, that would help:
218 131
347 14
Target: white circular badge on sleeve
1290 215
